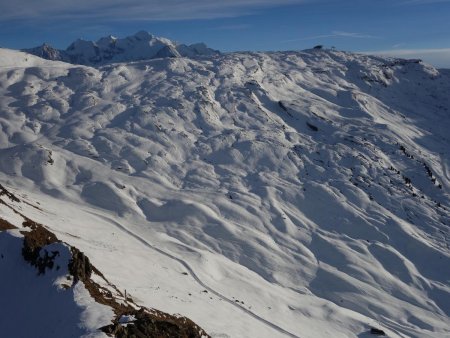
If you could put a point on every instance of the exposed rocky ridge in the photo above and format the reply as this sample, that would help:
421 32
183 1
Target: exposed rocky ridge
153 325
5 192
46 51
34 249
147 323
5 225
141 46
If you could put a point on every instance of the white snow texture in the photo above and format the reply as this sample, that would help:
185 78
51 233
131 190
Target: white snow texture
285 194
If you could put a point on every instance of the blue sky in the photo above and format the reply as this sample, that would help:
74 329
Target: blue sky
408 28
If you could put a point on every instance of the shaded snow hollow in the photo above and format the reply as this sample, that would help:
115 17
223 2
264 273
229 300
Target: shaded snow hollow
301 194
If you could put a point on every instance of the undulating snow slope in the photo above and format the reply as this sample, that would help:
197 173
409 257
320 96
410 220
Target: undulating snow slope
291 194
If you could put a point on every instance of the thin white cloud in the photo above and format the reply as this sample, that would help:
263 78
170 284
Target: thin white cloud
133 9
422 2
233 27
335 34
353 35
314 37
438 57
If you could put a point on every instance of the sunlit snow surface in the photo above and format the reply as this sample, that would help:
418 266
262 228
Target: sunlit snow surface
301 194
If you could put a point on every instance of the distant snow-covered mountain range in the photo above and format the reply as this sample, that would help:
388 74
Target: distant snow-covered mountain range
140 46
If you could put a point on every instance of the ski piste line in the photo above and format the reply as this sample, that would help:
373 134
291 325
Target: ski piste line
194 275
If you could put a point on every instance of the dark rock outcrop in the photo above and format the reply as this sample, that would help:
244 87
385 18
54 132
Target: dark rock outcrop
377 332
4 192
79 266
153 325
5 225
33 243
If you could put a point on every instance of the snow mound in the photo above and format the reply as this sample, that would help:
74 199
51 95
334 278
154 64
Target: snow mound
10 59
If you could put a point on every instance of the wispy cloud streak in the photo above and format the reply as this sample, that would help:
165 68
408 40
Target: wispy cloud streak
335 34
233 27
133 9
422 2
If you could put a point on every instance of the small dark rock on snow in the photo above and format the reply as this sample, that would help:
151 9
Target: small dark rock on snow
377 332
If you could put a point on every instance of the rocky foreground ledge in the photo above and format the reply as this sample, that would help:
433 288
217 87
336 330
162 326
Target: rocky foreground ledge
48 255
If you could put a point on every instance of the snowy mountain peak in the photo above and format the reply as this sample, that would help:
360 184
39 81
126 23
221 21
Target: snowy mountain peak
106 41
143 35
46 51
109 49
80 45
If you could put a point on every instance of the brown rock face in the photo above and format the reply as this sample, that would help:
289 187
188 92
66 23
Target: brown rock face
33 243
156 325
79 266
5 225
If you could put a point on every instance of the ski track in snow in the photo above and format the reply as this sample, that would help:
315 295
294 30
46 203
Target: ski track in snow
193 274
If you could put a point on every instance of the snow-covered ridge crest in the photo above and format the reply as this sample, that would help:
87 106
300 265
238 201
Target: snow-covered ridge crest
109 49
